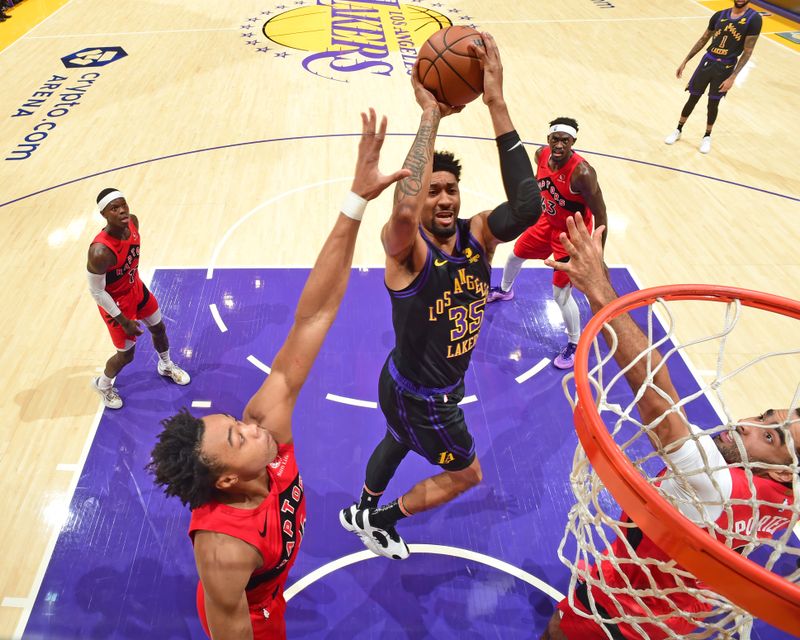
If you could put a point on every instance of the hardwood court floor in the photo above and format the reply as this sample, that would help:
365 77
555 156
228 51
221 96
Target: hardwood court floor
233 153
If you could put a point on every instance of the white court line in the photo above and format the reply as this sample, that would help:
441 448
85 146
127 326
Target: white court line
454 552
217 317
201 404
51 545
19 603
249 214
23 36
352 401
66 467
258 364
132 33
469 400
532 371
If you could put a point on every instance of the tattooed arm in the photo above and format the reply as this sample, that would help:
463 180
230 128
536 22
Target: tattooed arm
695 50
400 232
749 45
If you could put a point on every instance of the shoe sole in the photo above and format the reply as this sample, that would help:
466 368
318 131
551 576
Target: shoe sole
365 539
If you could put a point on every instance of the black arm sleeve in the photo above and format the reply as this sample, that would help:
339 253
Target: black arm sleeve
523 207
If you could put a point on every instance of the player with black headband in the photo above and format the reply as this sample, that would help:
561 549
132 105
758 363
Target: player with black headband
437 275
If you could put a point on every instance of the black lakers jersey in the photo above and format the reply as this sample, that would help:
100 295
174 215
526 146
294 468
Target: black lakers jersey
729 33
438 316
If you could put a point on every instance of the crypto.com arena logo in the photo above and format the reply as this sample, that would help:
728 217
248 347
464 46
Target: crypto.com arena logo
335 39
93 57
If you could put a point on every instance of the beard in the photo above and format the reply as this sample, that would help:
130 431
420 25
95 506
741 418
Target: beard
440 232
729 450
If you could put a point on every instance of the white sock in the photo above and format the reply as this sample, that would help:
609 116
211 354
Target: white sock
104 382
511 271
164 357
569 311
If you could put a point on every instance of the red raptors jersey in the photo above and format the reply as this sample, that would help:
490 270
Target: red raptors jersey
558 200
275 528
124 275
771 520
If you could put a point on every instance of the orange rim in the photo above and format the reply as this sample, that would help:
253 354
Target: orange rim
764 594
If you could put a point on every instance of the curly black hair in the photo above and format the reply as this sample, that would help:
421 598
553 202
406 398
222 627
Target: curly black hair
446 161
570 122
177 463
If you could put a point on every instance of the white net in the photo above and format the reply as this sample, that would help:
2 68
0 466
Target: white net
619 575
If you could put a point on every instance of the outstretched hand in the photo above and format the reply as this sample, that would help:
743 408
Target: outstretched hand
585 268
426 99
368 181
489 56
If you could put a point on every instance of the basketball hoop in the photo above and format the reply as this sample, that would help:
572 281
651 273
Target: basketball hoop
601 462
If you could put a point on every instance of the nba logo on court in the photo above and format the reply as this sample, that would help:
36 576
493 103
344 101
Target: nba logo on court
93 57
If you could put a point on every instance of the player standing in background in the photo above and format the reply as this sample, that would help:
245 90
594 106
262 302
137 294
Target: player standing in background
733 34
568 185
122 297
240 477
437 276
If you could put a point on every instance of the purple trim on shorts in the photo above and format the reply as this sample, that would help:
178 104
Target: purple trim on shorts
442 430
415 286
401 409
417 389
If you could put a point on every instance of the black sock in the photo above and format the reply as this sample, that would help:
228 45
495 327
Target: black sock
680 126
368 500
386 516
708 133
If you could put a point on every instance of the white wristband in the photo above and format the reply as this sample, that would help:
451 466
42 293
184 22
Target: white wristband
353 206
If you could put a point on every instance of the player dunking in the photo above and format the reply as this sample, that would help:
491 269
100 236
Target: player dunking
437 275
240 477
122 297
568 185
733 34
709 483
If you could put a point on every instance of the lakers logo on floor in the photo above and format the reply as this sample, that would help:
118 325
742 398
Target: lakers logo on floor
340 40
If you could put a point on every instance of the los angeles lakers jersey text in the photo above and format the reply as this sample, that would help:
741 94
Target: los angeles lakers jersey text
729 32
437 318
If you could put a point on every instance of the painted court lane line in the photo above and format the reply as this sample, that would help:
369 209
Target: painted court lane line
217 318
258 364
436 549
368 404
532 371
201 404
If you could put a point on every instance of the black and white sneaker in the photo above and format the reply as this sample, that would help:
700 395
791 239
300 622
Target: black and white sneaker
382 542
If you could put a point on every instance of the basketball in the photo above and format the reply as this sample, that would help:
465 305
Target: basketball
448 69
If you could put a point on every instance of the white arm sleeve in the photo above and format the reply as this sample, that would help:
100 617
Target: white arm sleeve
699 487
97 287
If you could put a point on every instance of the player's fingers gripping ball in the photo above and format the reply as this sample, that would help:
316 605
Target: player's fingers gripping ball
448 69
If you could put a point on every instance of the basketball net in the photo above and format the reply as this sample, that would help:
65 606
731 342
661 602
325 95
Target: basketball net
657 597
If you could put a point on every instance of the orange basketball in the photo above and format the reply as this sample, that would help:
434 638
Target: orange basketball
448 69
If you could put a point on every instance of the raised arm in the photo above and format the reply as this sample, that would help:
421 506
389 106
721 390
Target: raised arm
272 404
588 273
400 232
698 46
523 202
584 181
